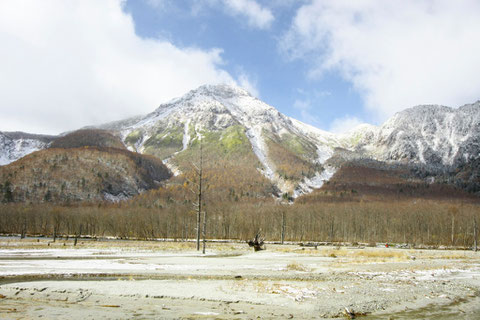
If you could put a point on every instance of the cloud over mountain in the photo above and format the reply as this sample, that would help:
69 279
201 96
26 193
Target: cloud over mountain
395 53
68 64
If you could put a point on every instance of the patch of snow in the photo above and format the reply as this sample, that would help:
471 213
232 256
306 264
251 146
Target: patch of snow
421 150
207 313
422 275
172 167
297 294
324 153
77 266
259 148
114 198
151 119
186 135
14 149
316 182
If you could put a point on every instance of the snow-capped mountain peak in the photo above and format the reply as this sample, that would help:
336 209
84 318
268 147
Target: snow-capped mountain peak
430 134
214 108
293 155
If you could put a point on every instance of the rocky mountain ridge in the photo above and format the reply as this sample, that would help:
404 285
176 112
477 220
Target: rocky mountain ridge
81 166
295 157
217 108
430 135
15 145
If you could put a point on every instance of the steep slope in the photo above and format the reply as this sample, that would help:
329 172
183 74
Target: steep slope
287 152
431 135
80 174
293 155
249 143
438 149
14 145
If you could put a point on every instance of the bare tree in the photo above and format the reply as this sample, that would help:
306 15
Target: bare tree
199 171
284 223
78 233
197 188
204 230
453 211
24 225
57 219
475 233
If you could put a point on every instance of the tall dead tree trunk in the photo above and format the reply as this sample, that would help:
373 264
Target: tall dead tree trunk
204 230
24 227
78 234
475 233
199 206
453 230
283 226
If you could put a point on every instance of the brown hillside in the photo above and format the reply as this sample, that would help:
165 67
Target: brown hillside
88 138
354 182
79 174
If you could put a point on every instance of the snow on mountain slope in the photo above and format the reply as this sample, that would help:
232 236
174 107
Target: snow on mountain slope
216 108
432 135
15 145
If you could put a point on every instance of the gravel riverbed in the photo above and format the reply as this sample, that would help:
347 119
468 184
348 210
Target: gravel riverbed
166 280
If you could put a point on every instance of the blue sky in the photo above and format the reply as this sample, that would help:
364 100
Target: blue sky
330 63
254 52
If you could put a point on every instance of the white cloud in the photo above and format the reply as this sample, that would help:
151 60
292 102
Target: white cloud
66 64
158 4
395 53
258 16
245 81
304 107
344 124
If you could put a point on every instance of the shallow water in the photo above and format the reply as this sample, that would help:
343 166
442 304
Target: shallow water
463 309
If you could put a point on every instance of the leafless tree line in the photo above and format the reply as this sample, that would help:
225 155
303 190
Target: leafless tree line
421 222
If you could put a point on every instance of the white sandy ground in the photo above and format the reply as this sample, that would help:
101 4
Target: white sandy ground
145 280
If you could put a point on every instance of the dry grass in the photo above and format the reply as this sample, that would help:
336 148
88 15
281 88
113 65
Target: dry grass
352 255
293 249
295 266
448 254
380 253
342 254
122 245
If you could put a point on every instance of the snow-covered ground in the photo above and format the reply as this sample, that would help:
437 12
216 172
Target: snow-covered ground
165 280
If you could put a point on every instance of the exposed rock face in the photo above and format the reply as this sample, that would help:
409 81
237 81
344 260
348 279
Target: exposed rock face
14 145
296 158
431 135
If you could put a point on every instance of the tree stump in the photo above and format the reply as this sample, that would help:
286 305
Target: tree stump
257 243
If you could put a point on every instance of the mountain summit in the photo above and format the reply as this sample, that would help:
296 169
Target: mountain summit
255 147
275 139
432 135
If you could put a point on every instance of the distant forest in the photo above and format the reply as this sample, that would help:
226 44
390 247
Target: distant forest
156 215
